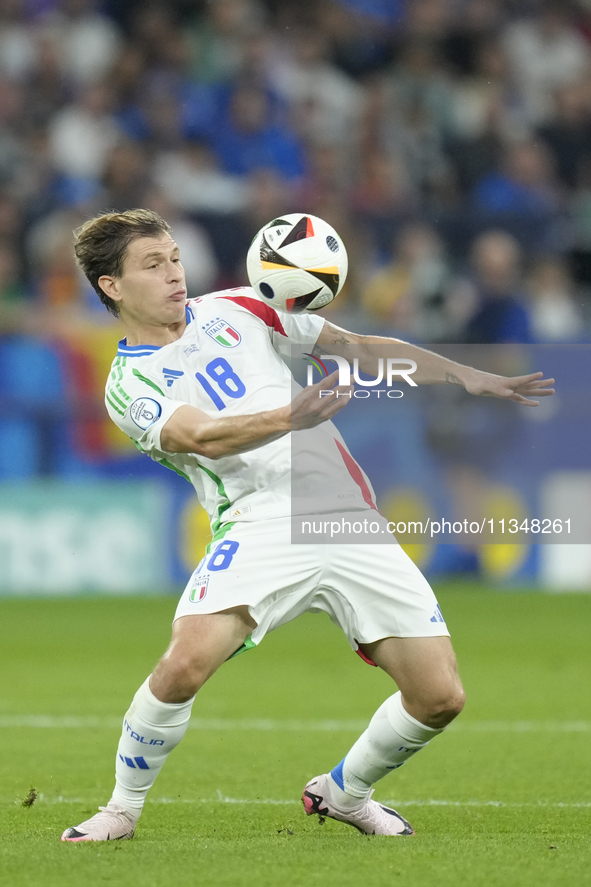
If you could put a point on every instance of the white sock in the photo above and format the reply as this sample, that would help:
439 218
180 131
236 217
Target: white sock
391 738
151 729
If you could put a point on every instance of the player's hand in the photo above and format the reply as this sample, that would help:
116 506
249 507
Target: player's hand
520 389
310 407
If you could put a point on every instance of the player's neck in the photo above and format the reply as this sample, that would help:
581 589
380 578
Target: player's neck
137 333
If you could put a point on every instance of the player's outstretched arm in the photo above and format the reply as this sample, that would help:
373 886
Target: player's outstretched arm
190 430
433 368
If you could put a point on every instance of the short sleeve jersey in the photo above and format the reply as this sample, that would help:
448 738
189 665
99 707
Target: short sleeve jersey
230 361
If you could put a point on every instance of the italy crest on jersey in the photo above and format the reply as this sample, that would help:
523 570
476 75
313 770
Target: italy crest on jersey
224 334
199 589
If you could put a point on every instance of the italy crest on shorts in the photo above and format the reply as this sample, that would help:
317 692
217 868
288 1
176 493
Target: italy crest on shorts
199 589
224 334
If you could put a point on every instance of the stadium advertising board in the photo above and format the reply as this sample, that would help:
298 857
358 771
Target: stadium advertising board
64 538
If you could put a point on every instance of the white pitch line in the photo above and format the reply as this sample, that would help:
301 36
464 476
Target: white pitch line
60 722
523 726
285 802
72 722
428 802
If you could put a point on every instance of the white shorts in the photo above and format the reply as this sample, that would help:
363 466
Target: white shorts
370 591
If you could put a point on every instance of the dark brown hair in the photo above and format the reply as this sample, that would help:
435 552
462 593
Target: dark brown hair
101 244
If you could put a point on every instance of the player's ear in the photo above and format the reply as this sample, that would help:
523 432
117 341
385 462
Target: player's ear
110 287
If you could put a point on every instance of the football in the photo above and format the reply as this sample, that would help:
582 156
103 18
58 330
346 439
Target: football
297 263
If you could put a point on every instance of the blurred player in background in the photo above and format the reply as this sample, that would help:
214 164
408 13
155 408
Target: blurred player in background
201 386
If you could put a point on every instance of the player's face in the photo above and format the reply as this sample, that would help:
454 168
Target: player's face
152 289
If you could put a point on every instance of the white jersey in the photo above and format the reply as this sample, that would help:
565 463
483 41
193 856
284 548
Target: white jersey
230 361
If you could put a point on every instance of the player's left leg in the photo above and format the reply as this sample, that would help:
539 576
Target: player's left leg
159 715
430 697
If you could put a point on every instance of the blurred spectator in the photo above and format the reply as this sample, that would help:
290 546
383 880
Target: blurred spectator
32 183
11 218
418 114
523 197
83 134
17 40
248 138
51 261
384 12
125 178
500 315
193 181
580 208
408 293
383 198
327 178
474 26
326 102
218 38
419 84
546 52
87 41
269 195
568 133
12 102
376 108
154 25
47 86
555 316
11 287
428 19
161 107
125 77
523 185
12 291
11 238
159 116
361 32
487 99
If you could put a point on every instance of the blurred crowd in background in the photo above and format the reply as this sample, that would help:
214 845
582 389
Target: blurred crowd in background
448 141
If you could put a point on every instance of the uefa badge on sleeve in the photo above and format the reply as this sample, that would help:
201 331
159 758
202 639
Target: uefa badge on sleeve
145 411
199 589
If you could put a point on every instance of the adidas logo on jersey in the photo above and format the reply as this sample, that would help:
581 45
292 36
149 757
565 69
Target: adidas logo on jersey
171 376
437 615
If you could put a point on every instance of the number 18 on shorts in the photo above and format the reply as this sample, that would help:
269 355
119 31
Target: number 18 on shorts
219 559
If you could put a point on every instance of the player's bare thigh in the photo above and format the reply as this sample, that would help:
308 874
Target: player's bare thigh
426 673
199 645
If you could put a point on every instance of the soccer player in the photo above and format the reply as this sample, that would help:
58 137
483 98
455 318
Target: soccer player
201 386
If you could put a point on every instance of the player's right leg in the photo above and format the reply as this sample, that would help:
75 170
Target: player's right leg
430 696
159 714
389 611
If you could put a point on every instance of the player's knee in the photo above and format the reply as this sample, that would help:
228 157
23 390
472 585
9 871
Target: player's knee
443 708
186 673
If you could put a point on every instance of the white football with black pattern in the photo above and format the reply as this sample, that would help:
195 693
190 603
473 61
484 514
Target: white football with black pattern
297 263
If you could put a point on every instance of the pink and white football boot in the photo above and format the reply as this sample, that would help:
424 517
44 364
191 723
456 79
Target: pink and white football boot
110 824
370 818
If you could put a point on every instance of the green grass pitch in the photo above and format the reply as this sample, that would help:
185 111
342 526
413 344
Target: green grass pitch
503 798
